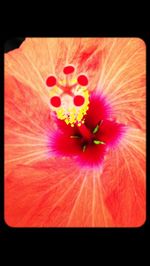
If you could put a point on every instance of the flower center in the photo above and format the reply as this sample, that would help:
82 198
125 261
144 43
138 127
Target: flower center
85 132
87 136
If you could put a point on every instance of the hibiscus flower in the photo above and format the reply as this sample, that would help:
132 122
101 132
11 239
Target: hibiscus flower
75 160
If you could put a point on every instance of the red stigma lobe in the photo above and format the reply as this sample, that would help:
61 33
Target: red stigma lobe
78 100
51 81
68 70
82 80
55 101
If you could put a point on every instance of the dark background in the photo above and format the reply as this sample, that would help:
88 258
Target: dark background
12 44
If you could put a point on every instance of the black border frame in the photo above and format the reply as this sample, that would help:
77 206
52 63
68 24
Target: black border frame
84 233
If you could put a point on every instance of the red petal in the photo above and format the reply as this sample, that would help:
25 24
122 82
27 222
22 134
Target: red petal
30 197
111 132
34 194
99 109
62 144
67 129
92 156
123 180
27 124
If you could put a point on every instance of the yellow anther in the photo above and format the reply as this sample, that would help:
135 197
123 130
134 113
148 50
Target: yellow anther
67 121
79 116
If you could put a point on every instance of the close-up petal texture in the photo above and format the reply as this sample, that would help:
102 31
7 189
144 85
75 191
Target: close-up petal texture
74 128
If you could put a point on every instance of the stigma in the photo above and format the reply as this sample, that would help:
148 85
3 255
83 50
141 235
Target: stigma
69 97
